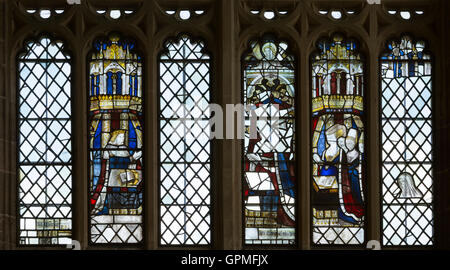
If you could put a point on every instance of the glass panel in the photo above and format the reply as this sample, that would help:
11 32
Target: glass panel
269 184
406 143
115 142
337 193
185 148
45 150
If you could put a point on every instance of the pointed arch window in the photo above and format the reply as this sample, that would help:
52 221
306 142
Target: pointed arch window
44 143
269 177
115 122
406 143
337 184
185 146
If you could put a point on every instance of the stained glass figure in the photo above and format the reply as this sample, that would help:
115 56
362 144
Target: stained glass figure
269 183
185 148
45 149
115 142
406 143
337 193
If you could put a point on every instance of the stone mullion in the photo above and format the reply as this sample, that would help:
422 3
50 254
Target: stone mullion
7 144
151 131
229 232
303 122
80 229
372 147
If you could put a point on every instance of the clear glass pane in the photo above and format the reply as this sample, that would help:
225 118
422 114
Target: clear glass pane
406 144
185 147
45 150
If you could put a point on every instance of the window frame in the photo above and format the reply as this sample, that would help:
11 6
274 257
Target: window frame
228 22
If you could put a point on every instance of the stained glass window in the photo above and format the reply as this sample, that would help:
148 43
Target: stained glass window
185 148
406 144
115 142
45 150
337 192
269 184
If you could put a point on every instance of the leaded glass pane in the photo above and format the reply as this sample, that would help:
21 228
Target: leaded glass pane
337 193
269 184
406 144
185 147
115 142
45 150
